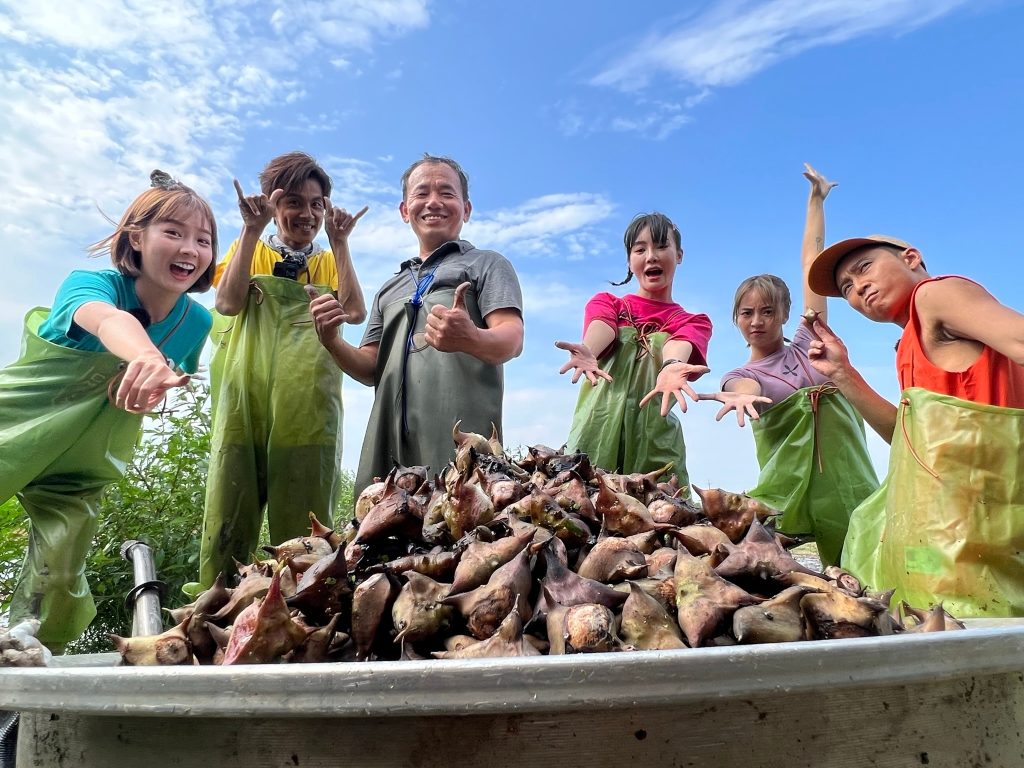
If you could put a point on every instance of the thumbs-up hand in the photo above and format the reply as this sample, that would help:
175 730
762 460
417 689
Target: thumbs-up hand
451 330
327 312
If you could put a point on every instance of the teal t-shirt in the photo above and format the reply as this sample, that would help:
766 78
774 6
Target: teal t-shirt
180 335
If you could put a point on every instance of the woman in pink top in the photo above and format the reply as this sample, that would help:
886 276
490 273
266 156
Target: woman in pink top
634 348
810 442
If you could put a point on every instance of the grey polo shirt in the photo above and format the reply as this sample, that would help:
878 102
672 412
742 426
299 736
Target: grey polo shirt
494 282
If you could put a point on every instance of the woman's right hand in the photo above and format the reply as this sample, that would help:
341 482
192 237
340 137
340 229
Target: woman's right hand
145 382
257 210
584 361
743 403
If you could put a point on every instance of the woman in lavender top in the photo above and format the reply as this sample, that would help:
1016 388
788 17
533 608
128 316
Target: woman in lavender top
810 441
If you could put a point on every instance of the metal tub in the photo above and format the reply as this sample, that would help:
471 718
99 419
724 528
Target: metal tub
944 699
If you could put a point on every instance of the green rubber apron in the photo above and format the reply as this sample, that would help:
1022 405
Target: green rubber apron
276 430
609 425
947 525
61 443
815 466
433 389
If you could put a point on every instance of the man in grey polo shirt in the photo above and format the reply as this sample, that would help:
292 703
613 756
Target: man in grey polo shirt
438 334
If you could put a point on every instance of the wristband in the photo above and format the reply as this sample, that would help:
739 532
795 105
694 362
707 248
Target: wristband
671 361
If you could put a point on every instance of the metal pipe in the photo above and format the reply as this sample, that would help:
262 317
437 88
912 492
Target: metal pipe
145 596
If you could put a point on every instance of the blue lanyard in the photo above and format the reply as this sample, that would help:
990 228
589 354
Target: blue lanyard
412 310
422 285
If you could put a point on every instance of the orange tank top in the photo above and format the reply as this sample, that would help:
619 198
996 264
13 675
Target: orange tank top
993 378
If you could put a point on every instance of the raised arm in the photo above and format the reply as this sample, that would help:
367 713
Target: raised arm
453 330
814 235
257 211
339 224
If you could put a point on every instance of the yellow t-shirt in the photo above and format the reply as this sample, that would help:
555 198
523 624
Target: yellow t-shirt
322 269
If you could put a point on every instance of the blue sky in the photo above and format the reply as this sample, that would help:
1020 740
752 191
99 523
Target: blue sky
569 117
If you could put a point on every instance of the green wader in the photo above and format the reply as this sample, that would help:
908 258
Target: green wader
609 424
436 390
276 435
61 443
947 525
815 466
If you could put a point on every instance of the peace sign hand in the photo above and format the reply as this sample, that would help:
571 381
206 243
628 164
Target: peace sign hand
257 210
338 222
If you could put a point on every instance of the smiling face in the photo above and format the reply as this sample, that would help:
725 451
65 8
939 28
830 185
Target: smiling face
878 281
760 321
299 214
434 205
654 265
175 253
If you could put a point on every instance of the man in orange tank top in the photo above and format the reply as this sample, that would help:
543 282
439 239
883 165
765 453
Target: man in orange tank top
957 340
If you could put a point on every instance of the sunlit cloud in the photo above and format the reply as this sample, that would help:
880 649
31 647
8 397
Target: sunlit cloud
735 39
730 42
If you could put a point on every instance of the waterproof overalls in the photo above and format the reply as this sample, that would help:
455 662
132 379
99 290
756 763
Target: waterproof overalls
610 426
62 442
815 466
421 392
947 525
276 430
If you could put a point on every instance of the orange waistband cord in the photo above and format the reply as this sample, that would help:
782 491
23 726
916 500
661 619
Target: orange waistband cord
815 395
906 438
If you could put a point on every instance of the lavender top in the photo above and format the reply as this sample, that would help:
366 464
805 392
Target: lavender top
783 373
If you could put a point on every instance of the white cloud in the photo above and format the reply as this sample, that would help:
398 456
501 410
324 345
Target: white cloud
347 24
97 94
538 227
735 39
730 42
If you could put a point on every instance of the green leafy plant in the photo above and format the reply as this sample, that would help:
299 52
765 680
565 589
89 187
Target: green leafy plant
158 501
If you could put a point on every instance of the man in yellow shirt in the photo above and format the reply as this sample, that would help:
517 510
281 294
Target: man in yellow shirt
277 409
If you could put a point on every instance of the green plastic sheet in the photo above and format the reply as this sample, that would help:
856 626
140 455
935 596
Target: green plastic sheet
61 443
609 424
276 433
815 466
947 525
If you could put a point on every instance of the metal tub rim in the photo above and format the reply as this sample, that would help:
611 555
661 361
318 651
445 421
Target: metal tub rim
514 685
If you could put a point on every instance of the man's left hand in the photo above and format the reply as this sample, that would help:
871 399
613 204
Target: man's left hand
338 222
451 330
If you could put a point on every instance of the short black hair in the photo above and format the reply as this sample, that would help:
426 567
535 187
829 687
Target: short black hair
439 160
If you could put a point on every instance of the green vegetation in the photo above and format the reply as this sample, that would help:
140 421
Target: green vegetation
159 501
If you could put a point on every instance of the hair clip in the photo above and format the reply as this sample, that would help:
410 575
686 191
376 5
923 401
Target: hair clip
162 180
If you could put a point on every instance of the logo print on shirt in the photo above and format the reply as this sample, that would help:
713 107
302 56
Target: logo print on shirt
789 371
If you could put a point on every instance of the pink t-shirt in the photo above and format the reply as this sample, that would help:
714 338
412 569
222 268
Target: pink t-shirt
669 317
783 373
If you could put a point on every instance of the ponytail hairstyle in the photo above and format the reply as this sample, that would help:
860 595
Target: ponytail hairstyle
661 229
